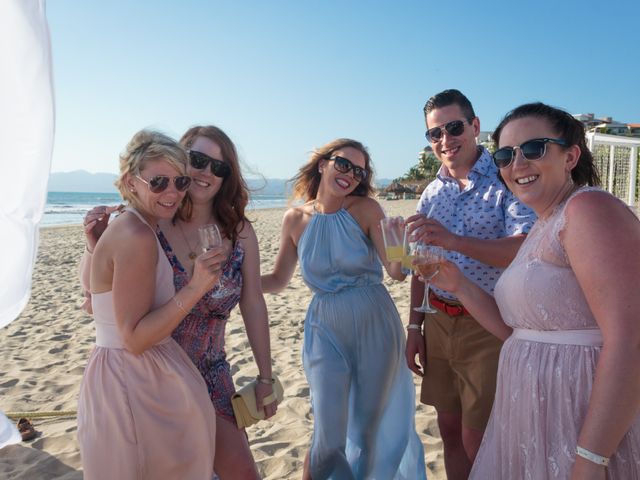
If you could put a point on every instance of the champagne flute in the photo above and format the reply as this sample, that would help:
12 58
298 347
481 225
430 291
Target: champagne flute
210 238
427 259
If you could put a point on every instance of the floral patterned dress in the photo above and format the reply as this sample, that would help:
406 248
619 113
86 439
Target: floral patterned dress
201 333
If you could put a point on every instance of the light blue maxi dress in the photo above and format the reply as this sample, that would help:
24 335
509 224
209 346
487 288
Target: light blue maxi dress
362 393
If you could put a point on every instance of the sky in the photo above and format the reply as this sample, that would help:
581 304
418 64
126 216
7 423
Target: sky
283 77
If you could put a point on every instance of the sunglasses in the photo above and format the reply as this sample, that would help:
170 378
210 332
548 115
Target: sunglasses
199 161
454 128
159 183
343 165
530 150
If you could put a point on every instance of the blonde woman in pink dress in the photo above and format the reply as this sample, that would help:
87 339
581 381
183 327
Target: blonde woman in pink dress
568 395
144 411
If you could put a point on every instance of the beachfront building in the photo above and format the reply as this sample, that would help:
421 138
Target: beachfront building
607 125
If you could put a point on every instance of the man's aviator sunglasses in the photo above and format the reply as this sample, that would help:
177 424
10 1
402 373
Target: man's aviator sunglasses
199 161
159 183
531 150
343 165
454 128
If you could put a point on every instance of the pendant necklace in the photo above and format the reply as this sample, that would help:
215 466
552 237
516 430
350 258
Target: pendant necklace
192 253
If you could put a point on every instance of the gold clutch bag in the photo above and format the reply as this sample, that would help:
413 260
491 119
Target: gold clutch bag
244 402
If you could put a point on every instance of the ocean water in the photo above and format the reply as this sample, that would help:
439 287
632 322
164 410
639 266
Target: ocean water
69 208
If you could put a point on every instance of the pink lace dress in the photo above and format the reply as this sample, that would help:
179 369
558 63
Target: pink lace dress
547 368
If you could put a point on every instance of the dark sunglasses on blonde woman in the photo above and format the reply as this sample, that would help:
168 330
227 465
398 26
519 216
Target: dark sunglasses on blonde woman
159 183
199 161
530 150
343 165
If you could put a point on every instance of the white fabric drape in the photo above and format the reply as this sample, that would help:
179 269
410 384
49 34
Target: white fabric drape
26 143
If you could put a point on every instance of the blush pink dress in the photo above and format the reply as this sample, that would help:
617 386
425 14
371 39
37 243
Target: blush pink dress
143 416
547 367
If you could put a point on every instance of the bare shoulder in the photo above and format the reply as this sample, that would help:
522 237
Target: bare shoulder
129 236
296 220
365 208
598 208
297 216
246 232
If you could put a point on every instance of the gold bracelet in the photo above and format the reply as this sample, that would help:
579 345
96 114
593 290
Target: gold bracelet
179 304
266 381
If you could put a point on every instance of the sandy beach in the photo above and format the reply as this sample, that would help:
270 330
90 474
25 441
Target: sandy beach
43 354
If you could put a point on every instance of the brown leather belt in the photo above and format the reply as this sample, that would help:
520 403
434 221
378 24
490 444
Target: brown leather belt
450 307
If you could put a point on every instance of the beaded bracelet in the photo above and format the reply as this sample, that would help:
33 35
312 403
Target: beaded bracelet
414 326
592 457
266 381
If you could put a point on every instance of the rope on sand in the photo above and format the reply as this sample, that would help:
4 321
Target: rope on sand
18 415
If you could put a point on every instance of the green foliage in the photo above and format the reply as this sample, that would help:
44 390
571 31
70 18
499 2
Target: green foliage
426 168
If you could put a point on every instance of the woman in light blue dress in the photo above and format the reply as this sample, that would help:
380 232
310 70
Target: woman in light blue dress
362 393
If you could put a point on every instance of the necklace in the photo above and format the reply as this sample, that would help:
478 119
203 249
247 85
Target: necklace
192 253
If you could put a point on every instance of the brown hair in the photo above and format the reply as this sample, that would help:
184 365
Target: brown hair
450 97
232 198
566 128
307 180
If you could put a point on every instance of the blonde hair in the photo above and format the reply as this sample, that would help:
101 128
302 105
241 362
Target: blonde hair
307 180
147 145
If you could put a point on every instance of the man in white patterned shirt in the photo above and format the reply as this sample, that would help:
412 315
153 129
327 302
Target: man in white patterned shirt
468 211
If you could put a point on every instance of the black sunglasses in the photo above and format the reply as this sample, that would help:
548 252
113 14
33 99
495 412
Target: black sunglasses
343 165
199 161
454 128
531 150
159 183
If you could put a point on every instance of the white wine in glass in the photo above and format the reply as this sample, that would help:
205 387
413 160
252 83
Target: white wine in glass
210 238
427 259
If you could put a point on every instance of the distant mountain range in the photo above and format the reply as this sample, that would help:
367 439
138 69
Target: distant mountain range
83 181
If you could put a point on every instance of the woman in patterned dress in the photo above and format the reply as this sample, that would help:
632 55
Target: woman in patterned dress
568 395
218 194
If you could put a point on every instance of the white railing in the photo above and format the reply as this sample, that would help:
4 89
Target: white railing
616 158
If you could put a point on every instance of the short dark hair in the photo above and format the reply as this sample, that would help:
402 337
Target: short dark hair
565 127
450 97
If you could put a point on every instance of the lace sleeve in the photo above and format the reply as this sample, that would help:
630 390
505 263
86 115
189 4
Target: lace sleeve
557 244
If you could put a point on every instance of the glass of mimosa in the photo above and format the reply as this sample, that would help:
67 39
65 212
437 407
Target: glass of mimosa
393 237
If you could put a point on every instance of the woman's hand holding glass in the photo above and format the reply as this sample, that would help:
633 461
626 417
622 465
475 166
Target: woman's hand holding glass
210 238
208 268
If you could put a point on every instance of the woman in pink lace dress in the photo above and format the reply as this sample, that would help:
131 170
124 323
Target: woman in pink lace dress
568 395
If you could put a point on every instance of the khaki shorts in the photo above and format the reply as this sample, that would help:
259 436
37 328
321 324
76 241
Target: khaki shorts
462 363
